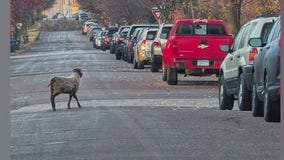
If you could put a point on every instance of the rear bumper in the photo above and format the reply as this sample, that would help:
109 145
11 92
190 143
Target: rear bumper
196 63
197 66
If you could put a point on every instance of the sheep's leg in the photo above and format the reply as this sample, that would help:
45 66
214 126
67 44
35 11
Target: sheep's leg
52 100
79 105
70 97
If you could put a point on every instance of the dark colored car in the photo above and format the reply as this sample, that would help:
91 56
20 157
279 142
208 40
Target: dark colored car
266 76
106 40
130 44
119 43
115 38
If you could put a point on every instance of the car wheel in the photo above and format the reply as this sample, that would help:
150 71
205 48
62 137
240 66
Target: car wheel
118 55
172 76
135 65
271 108
103 48
94 45
140 65
256 104
154 65
244 95
129 58
225 101
164 68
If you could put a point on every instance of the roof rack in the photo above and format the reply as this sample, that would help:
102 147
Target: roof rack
269 14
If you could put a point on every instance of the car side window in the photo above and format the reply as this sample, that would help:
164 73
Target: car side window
238 38
276 31
266 30
244 38
165 32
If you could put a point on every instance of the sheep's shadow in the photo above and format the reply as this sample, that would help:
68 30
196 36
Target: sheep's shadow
83 108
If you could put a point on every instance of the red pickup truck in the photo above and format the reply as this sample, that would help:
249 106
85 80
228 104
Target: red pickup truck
193 48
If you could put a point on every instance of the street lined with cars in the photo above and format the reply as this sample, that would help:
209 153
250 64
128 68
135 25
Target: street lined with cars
212 51
123 107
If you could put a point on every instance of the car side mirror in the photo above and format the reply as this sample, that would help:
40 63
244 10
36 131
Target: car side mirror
255 42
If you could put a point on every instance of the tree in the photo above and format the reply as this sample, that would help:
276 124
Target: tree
26 11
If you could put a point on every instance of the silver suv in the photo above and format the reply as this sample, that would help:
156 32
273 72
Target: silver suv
235 80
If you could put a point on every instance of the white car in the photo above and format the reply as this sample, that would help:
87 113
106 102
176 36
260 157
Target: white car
235 74
157 46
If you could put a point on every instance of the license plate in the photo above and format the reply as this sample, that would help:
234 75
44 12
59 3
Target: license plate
203 62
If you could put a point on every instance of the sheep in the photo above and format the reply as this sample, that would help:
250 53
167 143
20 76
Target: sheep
67 85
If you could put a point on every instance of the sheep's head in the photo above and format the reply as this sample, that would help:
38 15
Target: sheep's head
78 70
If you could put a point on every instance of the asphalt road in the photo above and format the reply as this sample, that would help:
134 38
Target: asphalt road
126 113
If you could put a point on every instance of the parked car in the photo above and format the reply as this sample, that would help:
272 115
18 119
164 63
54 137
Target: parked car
129 45
120 43
142 50
107 38
97 42
193 48
236 69
117 36
85 27
158 45
94 31
266 76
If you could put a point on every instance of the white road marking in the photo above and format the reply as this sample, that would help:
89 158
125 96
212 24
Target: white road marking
177 103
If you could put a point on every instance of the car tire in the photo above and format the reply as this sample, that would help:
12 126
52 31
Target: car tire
244 95
135 65
172 77
103 48
256 104
129 58
140 65
225 101
118 55
94 45
154 65
271 108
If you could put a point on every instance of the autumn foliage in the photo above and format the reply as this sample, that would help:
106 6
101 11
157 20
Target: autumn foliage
235 12
26 11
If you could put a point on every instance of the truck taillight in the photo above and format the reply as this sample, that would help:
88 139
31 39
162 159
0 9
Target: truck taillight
174 46
157 44
252 54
